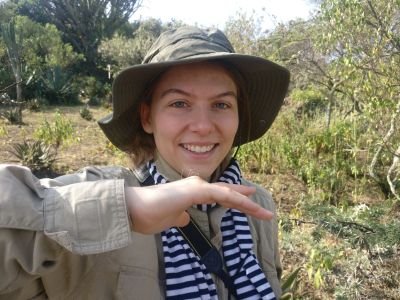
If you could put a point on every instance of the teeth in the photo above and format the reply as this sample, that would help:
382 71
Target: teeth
198 149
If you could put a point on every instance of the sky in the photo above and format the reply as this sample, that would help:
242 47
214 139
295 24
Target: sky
217 12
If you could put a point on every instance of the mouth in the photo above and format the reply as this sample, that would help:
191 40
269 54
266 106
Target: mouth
199 149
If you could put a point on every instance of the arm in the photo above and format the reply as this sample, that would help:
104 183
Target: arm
41 219
72 211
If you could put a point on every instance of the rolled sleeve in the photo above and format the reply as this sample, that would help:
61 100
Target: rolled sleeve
89 217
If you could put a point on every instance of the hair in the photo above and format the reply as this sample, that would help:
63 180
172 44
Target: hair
142 147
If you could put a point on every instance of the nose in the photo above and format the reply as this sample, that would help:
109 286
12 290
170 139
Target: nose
202 121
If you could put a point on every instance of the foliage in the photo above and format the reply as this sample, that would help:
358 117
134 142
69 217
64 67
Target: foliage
93 91
13 115
10 110
43 46
36 155
56 133
310 100
13 43
86 113
56 87
33 105
8 10
39 47
245 33
92 22
3 131
289 285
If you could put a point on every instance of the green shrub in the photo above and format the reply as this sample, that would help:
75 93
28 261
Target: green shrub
55 85
34 105
93 91
310 101
86 113
3 131
60 131
36 155
13 115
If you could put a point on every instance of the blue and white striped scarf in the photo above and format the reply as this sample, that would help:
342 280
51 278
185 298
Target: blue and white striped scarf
188 278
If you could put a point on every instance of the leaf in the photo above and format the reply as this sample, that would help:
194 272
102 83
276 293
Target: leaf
289 282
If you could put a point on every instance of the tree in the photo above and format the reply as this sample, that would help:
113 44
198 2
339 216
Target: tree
13 43
32 49
244 31
83 23
8 10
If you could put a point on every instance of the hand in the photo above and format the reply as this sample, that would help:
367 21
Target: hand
158 207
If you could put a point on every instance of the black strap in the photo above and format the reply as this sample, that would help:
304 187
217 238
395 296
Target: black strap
201 245
208 254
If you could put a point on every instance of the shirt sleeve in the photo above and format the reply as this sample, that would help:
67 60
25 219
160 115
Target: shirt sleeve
43 221
83 216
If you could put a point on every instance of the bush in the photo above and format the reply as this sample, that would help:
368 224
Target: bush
13 115
86 113
56 133
3 131
36 155
34 105
55 86
92 91
310 101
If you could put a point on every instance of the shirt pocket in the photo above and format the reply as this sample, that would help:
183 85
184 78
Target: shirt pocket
138 283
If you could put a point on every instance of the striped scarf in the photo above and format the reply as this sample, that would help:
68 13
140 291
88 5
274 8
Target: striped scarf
186 275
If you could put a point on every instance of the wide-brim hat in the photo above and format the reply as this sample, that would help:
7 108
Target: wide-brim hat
265 82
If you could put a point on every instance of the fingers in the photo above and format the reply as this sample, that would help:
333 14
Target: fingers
233 196
182 220
242 189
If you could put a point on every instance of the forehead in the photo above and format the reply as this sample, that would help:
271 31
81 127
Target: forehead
200 71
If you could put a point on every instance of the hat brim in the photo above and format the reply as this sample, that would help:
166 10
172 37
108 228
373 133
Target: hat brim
266 84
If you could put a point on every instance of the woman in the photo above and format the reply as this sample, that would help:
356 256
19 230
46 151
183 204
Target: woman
110 232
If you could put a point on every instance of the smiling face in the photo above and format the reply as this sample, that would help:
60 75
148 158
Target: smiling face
193 117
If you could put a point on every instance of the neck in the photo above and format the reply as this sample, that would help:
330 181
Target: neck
164 168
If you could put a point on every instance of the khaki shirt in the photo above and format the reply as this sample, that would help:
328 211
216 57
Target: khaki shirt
70 237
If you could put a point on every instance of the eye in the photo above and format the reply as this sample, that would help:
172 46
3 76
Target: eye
221 105
179 104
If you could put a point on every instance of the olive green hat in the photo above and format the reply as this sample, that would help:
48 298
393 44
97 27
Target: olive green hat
265 82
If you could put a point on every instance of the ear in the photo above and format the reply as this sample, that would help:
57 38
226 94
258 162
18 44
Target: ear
145 118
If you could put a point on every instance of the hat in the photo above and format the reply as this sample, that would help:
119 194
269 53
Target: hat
266 83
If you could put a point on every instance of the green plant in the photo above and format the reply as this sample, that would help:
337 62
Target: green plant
56 133
86 113
13 115
319 263
55 85
93 91
34 154
3 131
33 105
289 285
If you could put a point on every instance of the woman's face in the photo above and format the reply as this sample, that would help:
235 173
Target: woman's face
193 117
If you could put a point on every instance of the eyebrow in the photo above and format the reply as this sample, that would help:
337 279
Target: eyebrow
179 91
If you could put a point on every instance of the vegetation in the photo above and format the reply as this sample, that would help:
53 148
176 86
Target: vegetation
331 159
36 155
84 24
86 113
60 131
